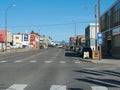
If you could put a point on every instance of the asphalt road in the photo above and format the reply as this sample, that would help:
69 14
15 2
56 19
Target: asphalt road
55 69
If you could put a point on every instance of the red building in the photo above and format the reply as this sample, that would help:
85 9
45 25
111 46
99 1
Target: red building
34 39
3 40
2 36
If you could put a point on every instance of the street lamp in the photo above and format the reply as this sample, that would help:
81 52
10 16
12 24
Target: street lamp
6 11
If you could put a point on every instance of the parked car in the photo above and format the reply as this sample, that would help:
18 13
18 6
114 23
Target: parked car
13 46
85 49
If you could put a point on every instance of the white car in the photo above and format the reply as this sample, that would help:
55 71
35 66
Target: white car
13 46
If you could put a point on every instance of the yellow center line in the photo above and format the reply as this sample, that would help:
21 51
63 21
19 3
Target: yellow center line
29 57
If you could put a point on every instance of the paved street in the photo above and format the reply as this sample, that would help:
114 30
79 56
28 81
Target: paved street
55 69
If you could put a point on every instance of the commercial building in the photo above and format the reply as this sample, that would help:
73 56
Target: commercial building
72 41
110 26
21 39
5 43
91 36
80 40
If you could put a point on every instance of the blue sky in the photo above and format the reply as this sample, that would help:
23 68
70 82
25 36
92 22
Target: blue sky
50 17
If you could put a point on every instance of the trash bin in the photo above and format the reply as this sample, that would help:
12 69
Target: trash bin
95 55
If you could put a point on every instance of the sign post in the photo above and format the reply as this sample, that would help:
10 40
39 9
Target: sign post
100 42
100 38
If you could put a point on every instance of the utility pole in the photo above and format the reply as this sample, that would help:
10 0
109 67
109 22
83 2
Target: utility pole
95 27
100 46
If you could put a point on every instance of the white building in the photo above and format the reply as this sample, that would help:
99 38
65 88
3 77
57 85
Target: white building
21 39
91 35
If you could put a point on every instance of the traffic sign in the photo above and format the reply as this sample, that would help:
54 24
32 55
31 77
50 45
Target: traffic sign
100 38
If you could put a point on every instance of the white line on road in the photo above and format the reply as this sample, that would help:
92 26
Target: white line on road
32 61
18 61
62 61
77 62
3 61
58 87
17 87
48 61
99 88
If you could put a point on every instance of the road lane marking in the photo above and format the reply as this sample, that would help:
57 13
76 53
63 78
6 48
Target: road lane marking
18 61
77 62
32 56
58 87
17 87
48 61
62 61
99 88
3 61
32 61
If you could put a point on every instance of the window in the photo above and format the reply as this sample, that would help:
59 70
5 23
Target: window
17 37
117 41
116 16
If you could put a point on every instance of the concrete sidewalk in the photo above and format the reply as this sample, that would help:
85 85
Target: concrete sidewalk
106 61
15 50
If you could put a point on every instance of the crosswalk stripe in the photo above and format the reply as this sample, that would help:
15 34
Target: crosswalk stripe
99 88
3 61
17 87
77 62
18 61
58 87
47 61
62 61
32 61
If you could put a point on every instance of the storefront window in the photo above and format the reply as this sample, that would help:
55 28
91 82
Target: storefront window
117 41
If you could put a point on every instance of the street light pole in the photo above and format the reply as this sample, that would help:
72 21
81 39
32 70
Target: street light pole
6 11
74 34
100 46
95 27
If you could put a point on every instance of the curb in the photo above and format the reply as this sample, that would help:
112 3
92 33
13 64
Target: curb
88 60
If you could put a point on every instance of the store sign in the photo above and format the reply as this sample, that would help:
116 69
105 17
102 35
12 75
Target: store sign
25 37
100 38
116 31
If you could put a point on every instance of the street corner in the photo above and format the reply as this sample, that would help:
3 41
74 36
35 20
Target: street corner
88 60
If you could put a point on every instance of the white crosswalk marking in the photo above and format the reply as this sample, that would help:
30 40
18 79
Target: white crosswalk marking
62 61
99 88
58 87
17 87
3 61
32 61
77 62
48 61
18 61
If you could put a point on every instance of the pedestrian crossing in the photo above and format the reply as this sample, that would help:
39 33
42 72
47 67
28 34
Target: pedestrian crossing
43 61
54 87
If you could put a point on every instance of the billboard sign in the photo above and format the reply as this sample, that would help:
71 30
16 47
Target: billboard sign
25 37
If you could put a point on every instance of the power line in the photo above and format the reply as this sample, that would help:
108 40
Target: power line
47 25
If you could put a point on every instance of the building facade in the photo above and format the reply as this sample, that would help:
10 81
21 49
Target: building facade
72 41
110 26
80 40
21 39
5 39
91 36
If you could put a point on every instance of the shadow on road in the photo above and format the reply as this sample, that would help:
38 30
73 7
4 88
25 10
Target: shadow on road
71 54
107 82
74 89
